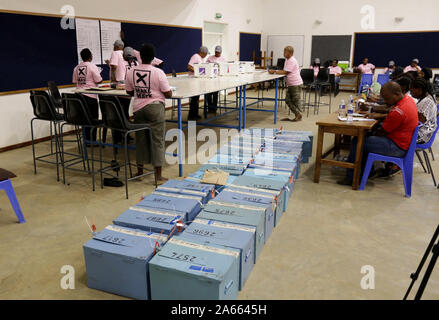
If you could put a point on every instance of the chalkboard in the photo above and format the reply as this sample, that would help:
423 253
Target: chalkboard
249 43
402 47
38 50
331 47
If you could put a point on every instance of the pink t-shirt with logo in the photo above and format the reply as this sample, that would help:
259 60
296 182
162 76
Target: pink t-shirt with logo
148 84
293 76
86 75
316 70
118 61
334 70
410 68
196 58
213 59
128 66
366 69
155 62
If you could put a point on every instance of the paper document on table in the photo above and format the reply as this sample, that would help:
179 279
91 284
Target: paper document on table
110 32
173 88
355 119
88 36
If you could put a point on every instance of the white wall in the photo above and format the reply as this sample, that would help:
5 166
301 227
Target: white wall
16 111
342 17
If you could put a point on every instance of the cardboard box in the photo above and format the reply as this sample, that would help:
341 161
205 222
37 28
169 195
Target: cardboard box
205 70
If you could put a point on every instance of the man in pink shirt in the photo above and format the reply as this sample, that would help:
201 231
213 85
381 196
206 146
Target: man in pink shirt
194 101
366 67
336 71
117 63
294 83
150 88
212 98
414 66
86 75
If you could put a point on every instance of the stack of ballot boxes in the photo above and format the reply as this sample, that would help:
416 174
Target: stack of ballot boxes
229 235
117 261
195 240
187 270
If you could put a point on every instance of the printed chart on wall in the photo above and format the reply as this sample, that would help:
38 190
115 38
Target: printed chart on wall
110 32
88 36
277 43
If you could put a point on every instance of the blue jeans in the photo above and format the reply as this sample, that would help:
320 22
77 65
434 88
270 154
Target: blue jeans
374 144
337 79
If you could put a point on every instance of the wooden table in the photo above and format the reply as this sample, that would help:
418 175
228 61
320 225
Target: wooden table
331 124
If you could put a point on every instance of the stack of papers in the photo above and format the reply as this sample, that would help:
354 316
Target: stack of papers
355 119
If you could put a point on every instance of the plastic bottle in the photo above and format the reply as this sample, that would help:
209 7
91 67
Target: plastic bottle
350 112
342 109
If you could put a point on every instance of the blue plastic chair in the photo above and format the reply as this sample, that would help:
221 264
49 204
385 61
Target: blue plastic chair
365 79
383 79
427 146
406 165
7 186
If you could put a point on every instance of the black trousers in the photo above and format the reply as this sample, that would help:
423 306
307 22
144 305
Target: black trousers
92 105
194 103
125 103
212 101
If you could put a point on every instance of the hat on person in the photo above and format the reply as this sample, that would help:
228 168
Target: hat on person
204 49
391 63
128 53
415 60
317 60
119 43
218 49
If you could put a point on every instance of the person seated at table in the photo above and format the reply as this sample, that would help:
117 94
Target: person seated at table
212 98
427 109
294 83
194 102
397 73
336 71
366 67
86 75
427 74
394 136
316 66
390 69
149 87
414 66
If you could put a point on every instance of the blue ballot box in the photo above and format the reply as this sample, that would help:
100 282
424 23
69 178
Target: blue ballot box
280 157
237 214
189 188
263 180
228 235
250 200
303 136
116 261
184 205
198 175
149 219
233 169
185 270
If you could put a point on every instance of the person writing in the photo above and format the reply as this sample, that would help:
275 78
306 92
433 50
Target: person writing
194 101
393 138
117 63
149 87
294 83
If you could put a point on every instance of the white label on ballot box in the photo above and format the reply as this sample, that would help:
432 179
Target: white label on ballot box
177 196
235 205
224 225
271 192
253 194
137 234
197 193
203 247
153 211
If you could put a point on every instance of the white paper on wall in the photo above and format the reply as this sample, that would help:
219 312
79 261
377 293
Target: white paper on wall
110 32
87 36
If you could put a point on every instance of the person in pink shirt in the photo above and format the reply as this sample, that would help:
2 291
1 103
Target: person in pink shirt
390 69
414 66
149 87
212 98
316 66
366 67
294 83
194 101
86 75
156 62
117 63
336 71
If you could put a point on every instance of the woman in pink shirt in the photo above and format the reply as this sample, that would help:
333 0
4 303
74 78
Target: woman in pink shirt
336 71
194 102
414 66
316 66
366 67
212 98
150 88
86 75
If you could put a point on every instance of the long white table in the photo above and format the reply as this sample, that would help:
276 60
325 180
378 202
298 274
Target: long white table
188 87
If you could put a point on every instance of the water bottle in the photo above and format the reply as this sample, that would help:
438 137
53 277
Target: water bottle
350 113
351 99
342 109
